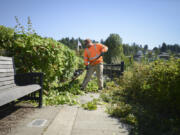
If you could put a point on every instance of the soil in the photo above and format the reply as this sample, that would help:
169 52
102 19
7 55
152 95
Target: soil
10 114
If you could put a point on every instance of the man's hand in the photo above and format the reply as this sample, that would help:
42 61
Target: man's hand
87 67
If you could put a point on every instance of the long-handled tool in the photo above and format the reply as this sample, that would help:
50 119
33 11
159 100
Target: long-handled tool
78 72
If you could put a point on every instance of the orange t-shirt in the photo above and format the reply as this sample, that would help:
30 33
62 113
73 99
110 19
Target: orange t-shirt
93 52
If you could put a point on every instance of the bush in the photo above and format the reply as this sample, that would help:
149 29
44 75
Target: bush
148 97
32 53
156 85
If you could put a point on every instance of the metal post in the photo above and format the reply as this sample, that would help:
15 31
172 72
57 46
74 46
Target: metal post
41 92
122 67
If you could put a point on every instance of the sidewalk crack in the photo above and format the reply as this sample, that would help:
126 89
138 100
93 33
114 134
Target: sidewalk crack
74 120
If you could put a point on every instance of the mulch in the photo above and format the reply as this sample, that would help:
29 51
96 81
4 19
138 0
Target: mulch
11 114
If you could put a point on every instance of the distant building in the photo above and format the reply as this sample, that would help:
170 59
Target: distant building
177 56
164 55
139 53
139 56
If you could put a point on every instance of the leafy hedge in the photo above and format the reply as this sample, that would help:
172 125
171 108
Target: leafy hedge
148 97
32 53
156 85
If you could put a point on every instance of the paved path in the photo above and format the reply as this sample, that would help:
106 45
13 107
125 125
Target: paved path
74 120
70 120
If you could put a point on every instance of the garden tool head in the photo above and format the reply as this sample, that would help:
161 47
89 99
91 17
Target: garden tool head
77 73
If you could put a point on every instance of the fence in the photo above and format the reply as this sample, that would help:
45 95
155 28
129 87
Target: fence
114 70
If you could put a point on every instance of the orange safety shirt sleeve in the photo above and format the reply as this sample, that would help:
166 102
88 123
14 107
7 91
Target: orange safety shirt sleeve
102 48
86 58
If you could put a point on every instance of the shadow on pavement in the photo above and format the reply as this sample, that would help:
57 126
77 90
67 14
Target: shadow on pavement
10 114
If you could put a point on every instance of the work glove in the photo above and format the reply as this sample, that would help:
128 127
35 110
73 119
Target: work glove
102 53
87 67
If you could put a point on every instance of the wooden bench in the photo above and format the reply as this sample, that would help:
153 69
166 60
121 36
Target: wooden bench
27 86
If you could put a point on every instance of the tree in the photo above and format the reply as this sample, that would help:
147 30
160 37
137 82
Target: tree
164 47
156 50
115 51
145 49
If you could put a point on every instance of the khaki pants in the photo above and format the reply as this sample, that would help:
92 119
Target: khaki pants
99 71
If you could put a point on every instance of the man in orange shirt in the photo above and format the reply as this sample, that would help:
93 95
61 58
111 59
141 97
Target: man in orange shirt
94 62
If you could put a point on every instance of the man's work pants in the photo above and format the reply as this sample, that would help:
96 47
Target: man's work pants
99 71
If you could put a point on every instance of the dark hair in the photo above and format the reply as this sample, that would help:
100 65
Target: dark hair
87 41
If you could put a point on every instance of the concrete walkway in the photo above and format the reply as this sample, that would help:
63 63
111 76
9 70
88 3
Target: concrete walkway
69 120
74 120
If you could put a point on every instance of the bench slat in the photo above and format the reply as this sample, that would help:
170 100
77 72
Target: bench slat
8 70
7 86
5 58
6 66
6 83
6 78
9 95
5 62
6 74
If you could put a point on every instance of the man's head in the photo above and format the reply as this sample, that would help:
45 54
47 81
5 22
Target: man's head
88 42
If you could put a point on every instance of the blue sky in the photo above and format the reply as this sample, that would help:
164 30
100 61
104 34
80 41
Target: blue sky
141 21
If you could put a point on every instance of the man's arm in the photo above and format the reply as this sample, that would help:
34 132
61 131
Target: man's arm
103 49
86 59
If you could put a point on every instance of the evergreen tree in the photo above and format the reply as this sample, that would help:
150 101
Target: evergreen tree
164 47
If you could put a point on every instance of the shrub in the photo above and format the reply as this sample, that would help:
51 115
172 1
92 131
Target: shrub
157 85
32 53
152 92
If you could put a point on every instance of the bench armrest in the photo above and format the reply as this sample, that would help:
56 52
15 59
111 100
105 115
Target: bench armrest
29 78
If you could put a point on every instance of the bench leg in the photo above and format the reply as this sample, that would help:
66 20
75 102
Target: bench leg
40 98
